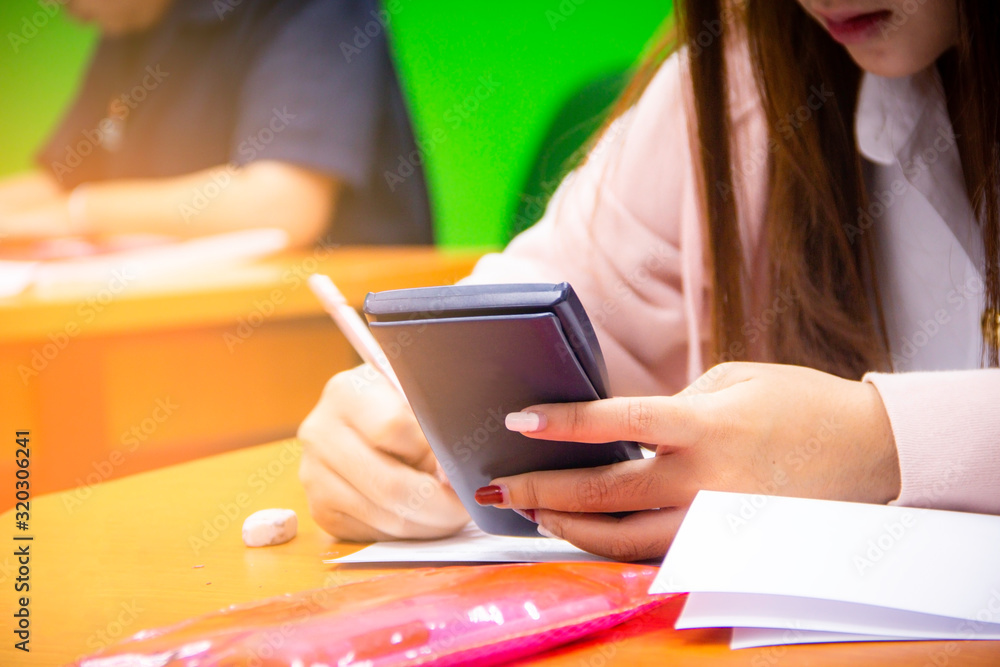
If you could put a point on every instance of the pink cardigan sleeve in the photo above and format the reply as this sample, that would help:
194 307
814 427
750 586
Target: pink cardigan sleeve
947 429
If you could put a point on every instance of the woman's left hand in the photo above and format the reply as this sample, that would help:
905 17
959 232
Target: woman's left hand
744 427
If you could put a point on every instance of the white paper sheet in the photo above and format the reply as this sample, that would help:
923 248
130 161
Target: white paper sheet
470 546
791 563
215 251
15 277
724 610
755 637
142 264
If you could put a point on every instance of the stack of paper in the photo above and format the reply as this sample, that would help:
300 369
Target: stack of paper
792 571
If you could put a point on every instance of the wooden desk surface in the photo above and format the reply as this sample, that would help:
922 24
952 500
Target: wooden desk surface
165 545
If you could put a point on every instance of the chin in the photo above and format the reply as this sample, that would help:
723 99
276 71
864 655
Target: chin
889 65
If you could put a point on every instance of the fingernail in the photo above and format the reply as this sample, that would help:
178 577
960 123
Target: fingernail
545 532
492 495
525 422
527 514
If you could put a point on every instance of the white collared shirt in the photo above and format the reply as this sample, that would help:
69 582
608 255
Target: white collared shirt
930 249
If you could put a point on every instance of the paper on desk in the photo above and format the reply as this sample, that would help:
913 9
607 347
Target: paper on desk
810 565
15 277
471 545
755 637
169 259
798 619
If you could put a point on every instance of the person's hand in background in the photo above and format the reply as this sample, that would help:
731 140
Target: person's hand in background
742 427
368 471
262 194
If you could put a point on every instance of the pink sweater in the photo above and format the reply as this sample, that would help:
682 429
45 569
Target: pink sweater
625 230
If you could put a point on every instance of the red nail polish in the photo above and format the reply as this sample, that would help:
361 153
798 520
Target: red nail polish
489 495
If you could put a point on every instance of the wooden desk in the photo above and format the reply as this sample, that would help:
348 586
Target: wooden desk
165 545
113 379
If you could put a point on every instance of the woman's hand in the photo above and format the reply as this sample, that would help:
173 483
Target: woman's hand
368 471
751 428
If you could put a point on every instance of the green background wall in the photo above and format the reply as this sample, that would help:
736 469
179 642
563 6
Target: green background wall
42 54
485 82
538 53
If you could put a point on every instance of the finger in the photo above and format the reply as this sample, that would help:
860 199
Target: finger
621 487
340 525
326 505
395 490
391 484
720 376
638 536
343 512
382 416
678 421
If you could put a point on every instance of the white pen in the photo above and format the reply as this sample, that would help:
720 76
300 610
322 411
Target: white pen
352 326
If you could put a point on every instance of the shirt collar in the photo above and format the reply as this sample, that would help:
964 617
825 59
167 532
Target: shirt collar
889 111
905 122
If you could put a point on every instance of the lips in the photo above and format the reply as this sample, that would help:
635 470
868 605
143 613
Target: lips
852 29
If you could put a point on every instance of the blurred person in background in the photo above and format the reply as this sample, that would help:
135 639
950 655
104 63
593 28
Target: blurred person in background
199 117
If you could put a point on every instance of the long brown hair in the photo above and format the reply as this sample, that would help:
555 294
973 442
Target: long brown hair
819 250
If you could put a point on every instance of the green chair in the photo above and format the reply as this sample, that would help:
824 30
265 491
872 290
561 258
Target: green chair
503 93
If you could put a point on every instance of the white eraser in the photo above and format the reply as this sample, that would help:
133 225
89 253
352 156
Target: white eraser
268 527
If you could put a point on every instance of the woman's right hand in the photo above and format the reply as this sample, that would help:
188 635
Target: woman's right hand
368 471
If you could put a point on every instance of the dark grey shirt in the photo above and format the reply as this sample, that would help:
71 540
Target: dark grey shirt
233 81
